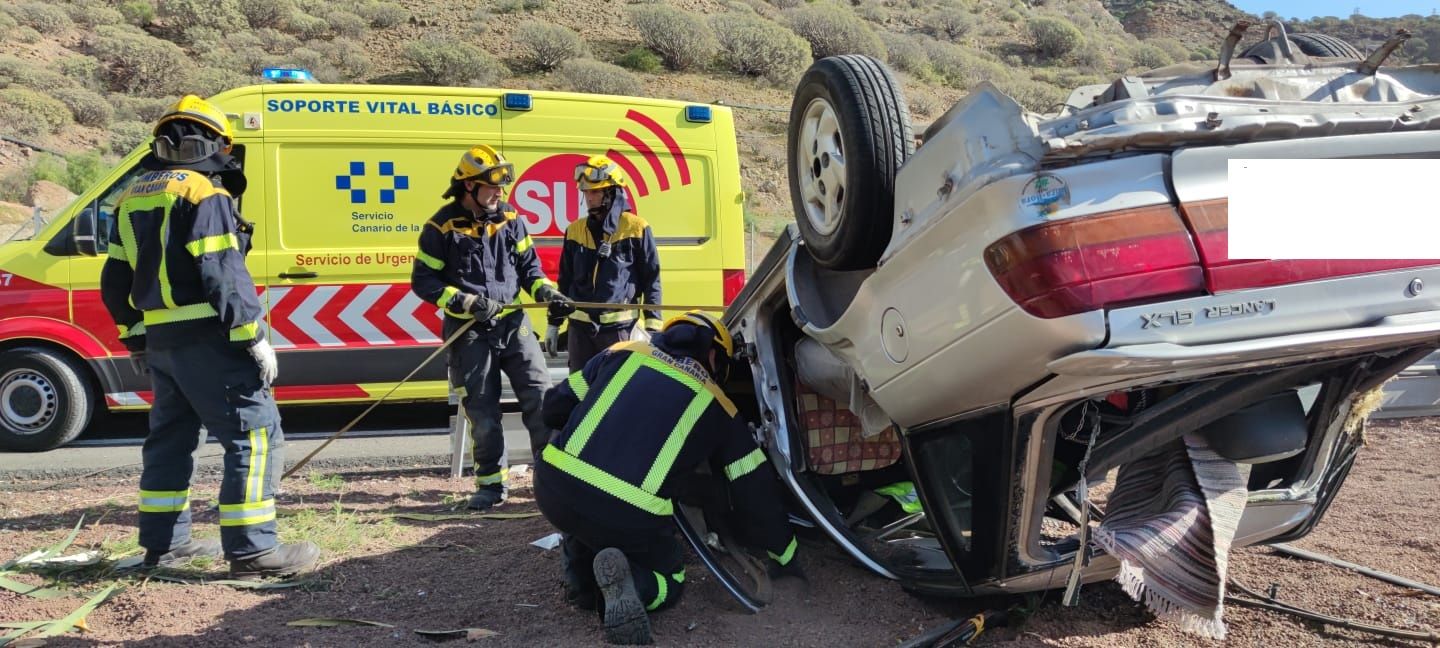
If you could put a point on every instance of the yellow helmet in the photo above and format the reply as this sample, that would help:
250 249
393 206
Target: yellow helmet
701 318
485 165
599 172
194 109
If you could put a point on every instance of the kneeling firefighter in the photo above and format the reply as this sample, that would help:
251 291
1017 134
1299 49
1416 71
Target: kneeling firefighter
609 257
475 257
633 425
176 285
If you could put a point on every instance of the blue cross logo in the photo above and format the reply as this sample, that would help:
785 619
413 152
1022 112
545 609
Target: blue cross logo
357 170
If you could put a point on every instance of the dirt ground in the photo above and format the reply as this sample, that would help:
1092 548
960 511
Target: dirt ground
481 573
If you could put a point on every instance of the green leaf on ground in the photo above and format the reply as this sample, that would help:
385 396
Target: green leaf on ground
78 616
327 622
32 591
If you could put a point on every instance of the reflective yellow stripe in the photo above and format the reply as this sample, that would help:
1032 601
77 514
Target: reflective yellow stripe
127 234
247 513
534 286
745 465
653 323
673 443
164 501
117 252
244 332
660 593
180 314
259 454
212 244
578 385
577 441
610 317
784 559
610 484
680 575
131 331
523 244
167 292
446 295
434 263
493 478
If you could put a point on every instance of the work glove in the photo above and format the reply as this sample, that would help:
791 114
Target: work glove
552 340
557 312
560 305
264 356
482 308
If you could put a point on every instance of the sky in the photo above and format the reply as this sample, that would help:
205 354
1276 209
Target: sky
1340 8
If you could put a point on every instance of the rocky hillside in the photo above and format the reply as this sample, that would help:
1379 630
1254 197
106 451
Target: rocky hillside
85 78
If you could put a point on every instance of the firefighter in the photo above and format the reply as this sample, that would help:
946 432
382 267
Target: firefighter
176 286
633 426
609 257
475 257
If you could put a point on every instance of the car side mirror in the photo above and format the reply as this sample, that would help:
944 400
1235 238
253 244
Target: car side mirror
85 228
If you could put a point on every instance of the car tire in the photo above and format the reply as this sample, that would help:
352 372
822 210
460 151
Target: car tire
849 133
1309 44
45 399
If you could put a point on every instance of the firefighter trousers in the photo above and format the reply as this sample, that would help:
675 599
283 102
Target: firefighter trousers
212 383
657 561
476 361
583 343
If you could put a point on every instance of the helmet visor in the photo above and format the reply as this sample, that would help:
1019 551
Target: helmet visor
189 148
500 174
585 173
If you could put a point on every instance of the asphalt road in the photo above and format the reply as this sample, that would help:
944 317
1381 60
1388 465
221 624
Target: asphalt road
407 435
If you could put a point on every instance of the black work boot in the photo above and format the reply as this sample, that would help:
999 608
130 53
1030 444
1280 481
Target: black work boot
285 561
485 498
625 620
191 549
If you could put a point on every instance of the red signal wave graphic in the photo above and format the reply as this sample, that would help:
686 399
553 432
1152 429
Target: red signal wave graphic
645 151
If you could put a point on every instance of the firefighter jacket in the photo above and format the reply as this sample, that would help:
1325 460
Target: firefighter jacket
176 266
613 261
491 257
636 421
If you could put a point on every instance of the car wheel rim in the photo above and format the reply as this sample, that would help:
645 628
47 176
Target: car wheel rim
28 401
820 160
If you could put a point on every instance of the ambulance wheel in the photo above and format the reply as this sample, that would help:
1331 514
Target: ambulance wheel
45 401
849 133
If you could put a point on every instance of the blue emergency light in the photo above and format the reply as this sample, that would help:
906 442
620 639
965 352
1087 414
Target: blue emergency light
517 101
697 114
288 75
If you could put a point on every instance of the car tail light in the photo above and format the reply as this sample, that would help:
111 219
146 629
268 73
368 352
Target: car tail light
1085 263
1210 220
733 281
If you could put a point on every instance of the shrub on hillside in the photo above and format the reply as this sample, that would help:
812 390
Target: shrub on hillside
544 46
88 107
24 34
53 114
949 24
126 135
7 23
383 15
441 61
202 38
43 17
137 63
1176 49
88 15
275 41
598 77
905 54
1034 95
214 80
83 70
308 27
754 46
534 5
832 31
508 6
138 12
1149 56
348 57
347 25
682 39
267 13
642 60
1054 37
224 15
1094 59
19 72
873 12
963 68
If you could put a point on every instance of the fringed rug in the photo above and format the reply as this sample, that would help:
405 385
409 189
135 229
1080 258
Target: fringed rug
1170 521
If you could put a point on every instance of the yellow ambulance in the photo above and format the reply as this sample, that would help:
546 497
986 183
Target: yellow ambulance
341 178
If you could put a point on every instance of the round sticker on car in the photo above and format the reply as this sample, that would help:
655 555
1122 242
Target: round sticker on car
1046 194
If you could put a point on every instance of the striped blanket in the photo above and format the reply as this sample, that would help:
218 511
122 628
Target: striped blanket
1170 521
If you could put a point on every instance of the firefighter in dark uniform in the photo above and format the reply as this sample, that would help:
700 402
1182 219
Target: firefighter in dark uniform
176 285
609 257
474 258
634 423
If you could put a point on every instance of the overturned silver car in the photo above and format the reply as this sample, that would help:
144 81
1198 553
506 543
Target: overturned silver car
1005 317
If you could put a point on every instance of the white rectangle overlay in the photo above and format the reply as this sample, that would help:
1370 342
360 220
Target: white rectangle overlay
1335 209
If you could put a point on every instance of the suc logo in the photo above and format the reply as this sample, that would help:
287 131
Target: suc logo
390 182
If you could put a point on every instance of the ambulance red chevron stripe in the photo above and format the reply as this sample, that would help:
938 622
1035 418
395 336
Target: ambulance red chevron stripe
326 316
